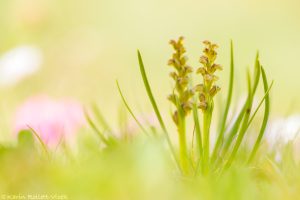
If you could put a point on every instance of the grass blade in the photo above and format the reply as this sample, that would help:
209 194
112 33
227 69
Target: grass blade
228 102
155 107
44 147
129 109
149 92
94 127
100 117
261 102
266 115
244 126
236 126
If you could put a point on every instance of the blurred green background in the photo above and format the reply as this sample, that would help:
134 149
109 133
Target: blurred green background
89 44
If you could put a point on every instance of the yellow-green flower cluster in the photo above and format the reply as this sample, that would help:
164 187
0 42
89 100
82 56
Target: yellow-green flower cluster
181 95
208 89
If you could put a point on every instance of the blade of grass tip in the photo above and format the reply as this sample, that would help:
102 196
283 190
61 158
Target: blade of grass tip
244 126
149 92
44 147
228 102
129 109
94 127
155 107
266 115
256 74
101 118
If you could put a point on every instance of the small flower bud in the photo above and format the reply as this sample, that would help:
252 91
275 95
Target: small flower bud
206 42
199 88
201 70
172 98
203 60
187 106
175 117
174 75
202 97
203 105
188 69
214 90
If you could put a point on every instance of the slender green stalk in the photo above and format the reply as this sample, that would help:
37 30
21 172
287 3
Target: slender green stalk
236 126
150 95
232 133
99 133
181 128
244 126
207 90
198 130
183 146
129 109
100 118
155 107
44 147
266 116
207 115
228 102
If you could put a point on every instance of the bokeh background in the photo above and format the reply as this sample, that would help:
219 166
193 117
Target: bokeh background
87 45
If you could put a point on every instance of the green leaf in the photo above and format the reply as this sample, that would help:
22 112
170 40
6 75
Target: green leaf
101 118
44 147
130 111
236 125
149 92
266 115
260 103
155 107
244 126
94 127
220 139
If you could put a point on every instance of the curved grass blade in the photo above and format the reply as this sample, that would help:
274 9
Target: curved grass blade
155 107
129 109
94 127
149 92
228 102
266 115
236 126
100 117
244 126
44 147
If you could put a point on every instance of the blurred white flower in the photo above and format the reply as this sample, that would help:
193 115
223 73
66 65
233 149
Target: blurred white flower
282 131
18 63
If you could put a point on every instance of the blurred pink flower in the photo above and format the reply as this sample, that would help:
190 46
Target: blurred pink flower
51 119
